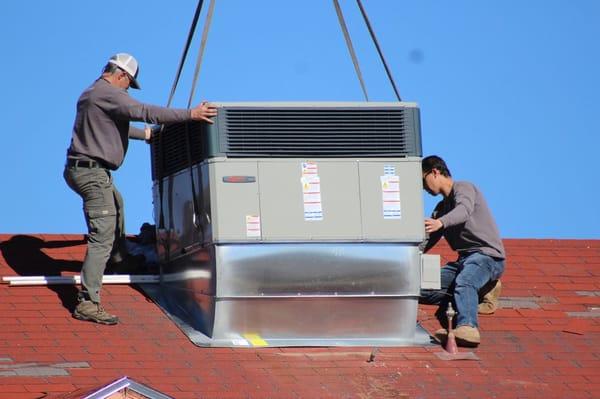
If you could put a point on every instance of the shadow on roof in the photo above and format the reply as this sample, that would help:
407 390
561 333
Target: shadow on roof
25 255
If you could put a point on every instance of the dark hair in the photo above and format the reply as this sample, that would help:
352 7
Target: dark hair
434 162
110 68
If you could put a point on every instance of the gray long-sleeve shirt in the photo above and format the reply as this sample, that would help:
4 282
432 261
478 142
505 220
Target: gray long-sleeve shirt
101 130
468 222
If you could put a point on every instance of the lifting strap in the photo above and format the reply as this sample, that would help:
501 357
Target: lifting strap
340 16
211 8
161 222
197 72
387 70
198 206
185 50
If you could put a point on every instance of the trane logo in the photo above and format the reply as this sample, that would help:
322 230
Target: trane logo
239 179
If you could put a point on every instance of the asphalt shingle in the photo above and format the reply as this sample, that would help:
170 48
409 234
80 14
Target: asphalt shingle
544 341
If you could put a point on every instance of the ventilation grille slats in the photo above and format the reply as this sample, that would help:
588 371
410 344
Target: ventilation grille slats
172 155
305 132
317 132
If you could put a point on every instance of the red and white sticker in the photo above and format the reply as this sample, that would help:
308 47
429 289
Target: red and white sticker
309 169
311 193
390 196
253 226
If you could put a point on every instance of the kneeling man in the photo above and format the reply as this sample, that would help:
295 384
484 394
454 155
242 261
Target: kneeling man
464 219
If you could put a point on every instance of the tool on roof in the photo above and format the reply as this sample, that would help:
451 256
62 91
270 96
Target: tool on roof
451 346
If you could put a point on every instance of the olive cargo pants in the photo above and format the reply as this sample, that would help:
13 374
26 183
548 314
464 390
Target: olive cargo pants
103 211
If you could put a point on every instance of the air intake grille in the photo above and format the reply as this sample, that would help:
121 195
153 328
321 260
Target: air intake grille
170 153
319 132
285 132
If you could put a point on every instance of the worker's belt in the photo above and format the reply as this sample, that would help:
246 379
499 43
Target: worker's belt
79 163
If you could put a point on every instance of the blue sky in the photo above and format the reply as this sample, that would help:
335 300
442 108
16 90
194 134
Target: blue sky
507 91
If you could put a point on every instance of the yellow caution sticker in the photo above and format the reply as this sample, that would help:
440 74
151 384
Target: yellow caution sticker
255 340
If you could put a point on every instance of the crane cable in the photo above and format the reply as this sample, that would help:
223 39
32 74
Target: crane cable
342 22
198 206
160 142
385 65
207 23
161 160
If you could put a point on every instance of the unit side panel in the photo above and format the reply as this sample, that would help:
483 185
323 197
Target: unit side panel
380 217
319 321
233 202
178 212
294 269
284 202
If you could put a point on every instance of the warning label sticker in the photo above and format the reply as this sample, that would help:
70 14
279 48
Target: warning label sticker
252 226
390 196
309 169
311 192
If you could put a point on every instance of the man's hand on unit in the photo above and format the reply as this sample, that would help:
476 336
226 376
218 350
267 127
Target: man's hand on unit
433 225
147 133
204 112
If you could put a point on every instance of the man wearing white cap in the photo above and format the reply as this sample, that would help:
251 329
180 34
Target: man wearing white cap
99 143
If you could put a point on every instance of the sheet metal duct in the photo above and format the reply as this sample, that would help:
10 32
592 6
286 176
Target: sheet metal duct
303 227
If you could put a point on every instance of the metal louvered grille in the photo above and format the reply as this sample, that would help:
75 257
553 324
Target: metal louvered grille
318 132
286 132
170 153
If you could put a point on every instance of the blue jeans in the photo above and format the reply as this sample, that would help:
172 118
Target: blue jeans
461 282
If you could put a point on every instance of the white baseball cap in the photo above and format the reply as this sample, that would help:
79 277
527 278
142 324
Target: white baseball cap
129 64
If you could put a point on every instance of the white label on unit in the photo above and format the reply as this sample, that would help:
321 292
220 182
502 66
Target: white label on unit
389 170
390 196
311 192
252 226
309 169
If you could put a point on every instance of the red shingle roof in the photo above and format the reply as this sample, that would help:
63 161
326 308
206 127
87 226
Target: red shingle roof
543 342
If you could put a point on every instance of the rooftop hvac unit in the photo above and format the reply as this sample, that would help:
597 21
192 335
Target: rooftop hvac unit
292 224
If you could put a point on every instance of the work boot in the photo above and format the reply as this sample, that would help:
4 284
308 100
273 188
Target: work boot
90 311
467 336
489 302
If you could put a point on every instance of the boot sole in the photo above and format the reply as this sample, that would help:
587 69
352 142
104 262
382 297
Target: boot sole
465 344
79 316
486 311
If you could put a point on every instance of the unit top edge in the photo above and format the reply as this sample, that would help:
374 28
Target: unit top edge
317 104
